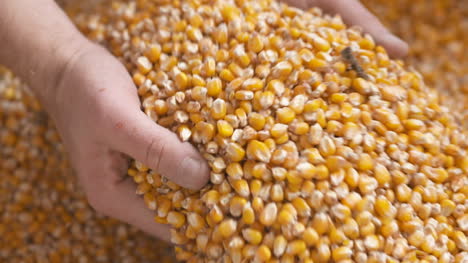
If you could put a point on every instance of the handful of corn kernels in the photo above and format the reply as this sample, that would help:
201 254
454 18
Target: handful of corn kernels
321 148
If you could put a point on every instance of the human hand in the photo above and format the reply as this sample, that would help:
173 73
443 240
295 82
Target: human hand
97 112
354 13
94 103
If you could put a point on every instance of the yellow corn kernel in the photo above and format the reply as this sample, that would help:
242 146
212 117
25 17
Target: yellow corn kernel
460 239
285 217
438 175
276 86
260 170
195 221
365 162
447 207
299 128
310 236
214 87
194 34
241 187
285 115
321 44
228 227
278 130
279 245
176 219
244 95
361 85
218 111
382 175
144 65
257 204
366 43
150 201
320 223
341 253
153 52
263 253
323 253
181 81
416 239
293 178
403 193
388 229
252 236
226 75
339 67
255 44
257 121
277 193
215 215
383 207
301 206
138 79
306 170
317 64
337 236
268 215
220 35
281 70
258 150
237 205
391 121
296 247
235 171
235 152
224 128
327 147
248 215
198 93
253 84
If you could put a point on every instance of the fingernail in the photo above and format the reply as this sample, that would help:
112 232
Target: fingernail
189 171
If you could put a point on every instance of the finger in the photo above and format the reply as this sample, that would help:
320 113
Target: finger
160 149
129 207
114 196
354 13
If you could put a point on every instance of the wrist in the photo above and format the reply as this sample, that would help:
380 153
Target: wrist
48 81
38 42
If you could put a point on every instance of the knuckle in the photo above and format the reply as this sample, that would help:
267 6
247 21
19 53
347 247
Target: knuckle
96 201
155 153
99 194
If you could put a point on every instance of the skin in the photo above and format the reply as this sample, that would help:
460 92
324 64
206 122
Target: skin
93 101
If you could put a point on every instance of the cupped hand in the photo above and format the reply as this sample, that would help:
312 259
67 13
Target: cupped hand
97 112
354 13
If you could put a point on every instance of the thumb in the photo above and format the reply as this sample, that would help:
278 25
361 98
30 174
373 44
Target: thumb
354 13
161 150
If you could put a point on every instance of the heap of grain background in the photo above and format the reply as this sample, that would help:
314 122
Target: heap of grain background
45 216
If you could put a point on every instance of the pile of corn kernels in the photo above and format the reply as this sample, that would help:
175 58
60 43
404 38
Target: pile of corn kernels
311 161
45 217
